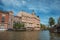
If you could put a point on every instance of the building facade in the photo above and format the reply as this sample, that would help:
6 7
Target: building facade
17 19
31 21
6 20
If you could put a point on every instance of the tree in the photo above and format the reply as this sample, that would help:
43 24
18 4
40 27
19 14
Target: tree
43 26
51 21
18 25
59 20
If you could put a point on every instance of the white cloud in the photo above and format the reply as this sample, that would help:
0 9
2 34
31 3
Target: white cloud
24 2
55 6
42 5
41 8
33 7
44 10
13 3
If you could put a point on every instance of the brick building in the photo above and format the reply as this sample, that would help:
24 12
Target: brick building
6 20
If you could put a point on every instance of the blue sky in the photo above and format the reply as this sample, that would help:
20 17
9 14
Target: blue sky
42 8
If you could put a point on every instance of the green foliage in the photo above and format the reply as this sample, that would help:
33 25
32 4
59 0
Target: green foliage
43 26
51 21
18 25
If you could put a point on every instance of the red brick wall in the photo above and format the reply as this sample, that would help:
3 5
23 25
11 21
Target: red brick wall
6 18
0 16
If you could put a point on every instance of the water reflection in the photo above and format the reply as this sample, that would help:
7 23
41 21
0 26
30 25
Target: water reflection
55 36
29 35
46 35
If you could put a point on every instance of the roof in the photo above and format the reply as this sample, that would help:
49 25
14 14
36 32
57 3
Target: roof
4 12
22 13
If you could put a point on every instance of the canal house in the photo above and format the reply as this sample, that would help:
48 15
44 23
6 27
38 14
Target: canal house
31 21
6 20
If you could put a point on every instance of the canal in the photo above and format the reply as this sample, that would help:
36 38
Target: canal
29 35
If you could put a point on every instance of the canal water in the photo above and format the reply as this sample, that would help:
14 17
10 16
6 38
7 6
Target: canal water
29 35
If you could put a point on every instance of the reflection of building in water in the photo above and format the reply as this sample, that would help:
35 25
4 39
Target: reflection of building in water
30 20
6 20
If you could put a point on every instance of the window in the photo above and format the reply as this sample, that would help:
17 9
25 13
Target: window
37 24
3 19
